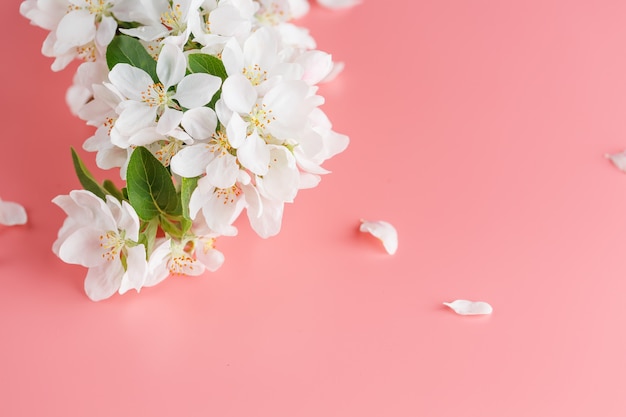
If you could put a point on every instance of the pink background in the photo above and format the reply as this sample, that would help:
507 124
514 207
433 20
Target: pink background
477 127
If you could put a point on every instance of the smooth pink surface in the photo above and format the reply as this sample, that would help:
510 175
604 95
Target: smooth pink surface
478 129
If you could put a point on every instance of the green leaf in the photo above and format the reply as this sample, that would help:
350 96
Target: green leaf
187 187
112 189
171 228
126 50
207 64
148 234
87 180
150 188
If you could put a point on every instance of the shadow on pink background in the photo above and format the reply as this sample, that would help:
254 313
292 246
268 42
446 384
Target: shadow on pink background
477 128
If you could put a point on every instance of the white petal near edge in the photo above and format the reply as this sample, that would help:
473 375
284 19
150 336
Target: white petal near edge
338 4
383 231
467 308
12 214
618 159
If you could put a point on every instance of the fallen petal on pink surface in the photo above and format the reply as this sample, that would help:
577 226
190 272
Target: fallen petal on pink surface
618 159
12 214
338 4
469 308
383 231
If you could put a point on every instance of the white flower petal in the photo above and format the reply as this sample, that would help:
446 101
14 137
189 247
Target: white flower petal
83 248
254 154
130 81
146 33
75 29
211 258
222 171
618 159
12 213
169 120
238 94
196 90
106 31
200 122
136 269
191 161
466 307
383 231
338 4
236 131
171 65
103 281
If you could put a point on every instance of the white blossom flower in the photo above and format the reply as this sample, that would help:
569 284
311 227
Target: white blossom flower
217 23
190 257
149 102
280 114
102 236
12 214
166 20
214 159
78 28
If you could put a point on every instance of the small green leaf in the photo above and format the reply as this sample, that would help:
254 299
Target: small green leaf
87 180
112 189
150 188
188 185
207 64
171 228
126 50
148 234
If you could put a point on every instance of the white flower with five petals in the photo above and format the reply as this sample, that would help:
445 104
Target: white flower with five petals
163 101
102 236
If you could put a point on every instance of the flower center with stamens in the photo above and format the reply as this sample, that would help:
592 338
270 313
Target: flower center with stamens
181 263
87 52
219 144
173 19
167 149
228 195
97 7
155 95
273 14
255 74
259 118
111 243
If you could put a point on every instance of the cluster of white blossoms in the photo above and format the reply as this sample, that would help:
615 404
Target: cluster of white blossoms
208 108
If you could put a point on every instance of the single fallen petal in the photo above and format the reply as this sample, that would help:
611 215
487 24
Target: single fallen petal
11 213
383 231
618 159
338 4
466 307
